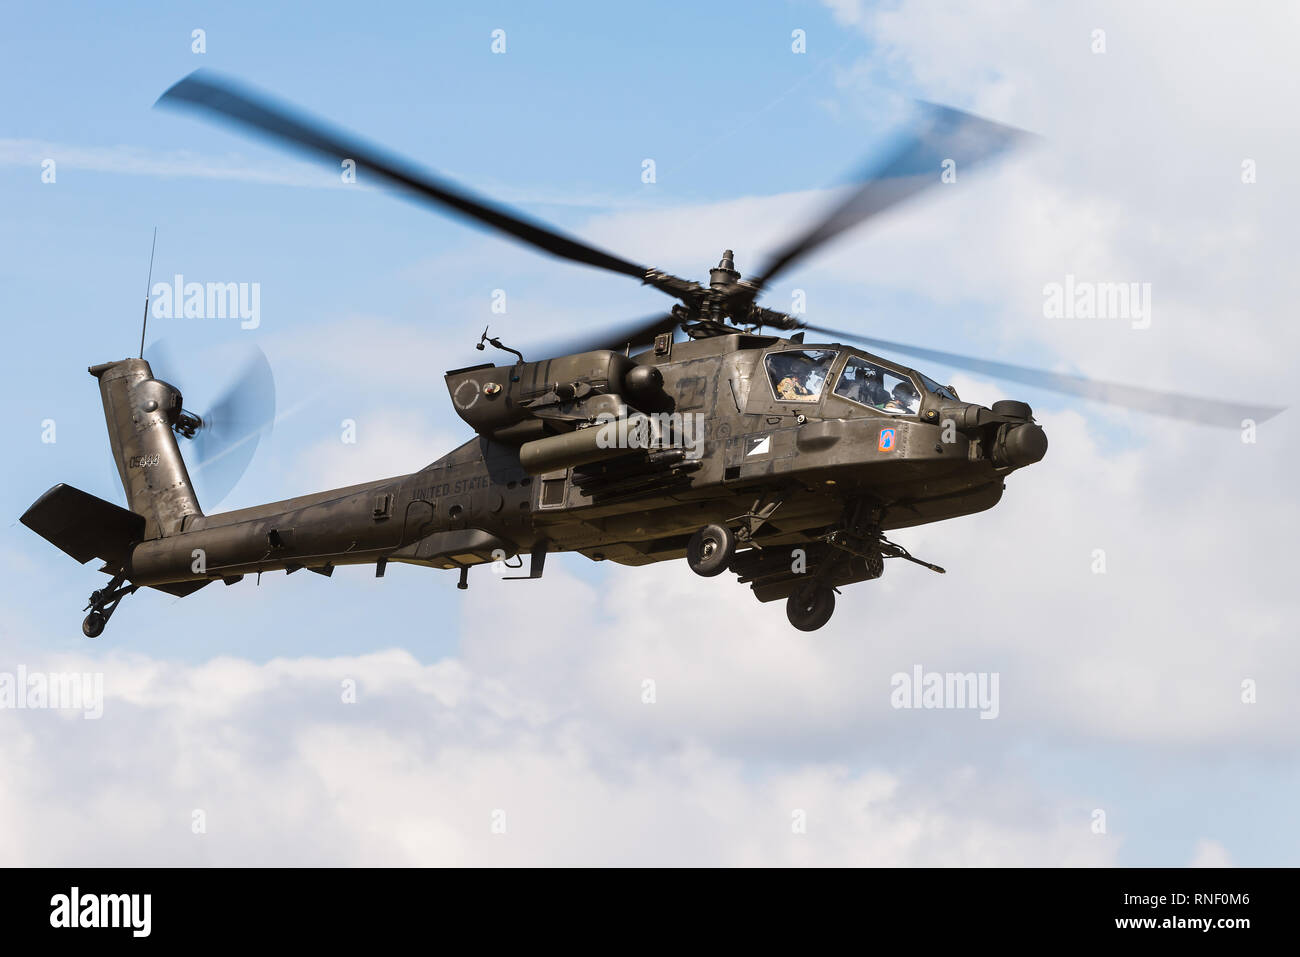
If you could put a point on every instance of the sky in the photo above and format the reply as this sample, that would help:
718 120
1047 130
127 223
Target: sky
400 721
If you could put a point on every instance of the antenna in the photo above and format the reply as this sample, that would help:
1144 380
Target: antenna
148 283
494 341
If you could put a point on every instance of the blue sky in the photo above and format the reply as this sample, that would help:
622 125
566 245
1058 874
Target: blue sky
531 123
1115 686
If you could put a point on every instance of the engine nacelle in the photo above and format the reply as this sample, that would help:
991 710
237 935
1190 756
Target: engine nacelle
499 401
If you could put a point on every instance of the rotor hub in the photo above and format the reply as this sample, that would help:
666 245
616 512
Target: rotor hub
724 275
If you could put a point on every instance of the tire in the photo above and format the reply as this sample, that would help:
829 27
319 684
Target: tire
710 550
93 625
810 606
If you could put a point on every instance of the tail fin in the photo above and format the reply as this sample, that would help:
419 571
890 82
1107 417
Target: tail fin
140 411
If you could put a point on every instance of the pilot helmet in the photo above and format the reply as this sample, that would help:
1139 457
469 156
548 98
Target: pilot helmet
905 393
794 364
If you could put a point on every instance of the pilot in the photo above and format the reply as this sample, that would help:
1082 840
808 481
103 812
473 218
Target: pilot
871 391
794 383
904 398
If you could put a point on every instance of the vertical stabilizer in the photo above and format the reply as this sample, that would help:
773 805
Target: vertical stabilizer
140 412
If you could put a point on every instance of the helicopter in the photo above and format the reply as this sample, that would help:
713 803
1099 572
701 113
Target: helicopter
711 431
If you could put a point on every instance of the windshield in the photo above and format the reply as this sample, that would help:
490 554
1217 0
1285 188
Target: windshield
871 385
798 375
939 390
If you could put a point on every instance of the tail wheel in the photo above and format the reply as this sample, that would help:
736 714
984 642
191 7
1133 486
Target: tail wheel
810 606
710 550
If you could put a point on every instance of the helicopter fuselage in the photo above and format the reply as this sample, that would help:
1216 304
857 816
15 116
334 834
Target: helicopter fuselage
734 447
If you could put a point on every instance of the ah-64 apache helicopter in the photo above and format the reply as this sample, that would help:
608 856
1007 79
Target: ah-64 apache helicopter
744 450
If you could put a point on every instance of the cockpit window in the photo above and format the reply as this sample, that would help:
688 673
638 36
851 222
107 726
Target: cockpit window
799 375
943 391
877 387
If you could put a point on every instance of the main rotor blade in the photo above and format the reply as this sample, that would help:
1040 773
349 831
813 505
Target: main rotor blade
918 162
226 100
1189 408
630 335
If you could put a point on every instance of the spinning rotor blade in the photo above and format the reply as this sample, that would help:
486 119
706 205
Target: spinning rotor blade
633 335
1189 408
232 424
232 427
914 165
224 99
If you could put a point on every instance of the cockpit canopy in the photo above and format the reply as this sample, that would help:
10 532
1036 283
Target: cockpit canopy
872 385
801 375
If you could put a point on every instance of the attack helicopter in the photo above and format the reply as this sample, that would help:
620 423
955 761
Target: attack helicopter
711 431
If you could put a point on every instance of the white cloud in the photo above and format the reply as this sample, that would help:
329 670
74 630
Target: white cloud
385 441
1210 854
279 171
136 161
414 771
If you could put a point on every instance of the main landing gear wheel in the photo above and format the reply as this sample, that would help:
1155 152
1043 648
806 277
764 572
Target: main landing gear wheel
810 606
710 550
93 625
